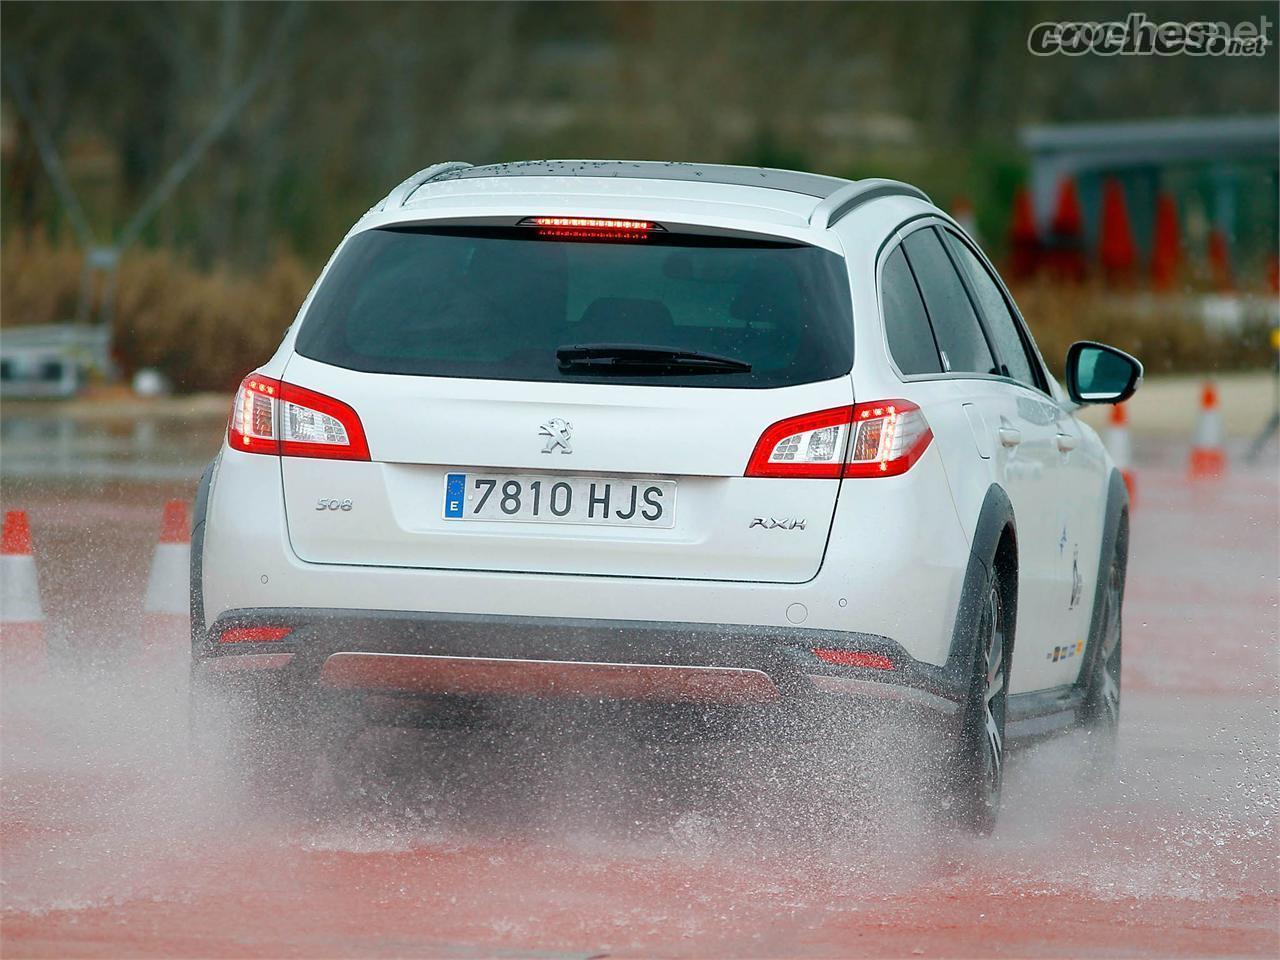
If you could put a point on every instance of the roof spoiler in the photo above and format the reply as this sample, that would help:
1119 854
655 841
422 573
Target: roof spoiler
831 210
400 195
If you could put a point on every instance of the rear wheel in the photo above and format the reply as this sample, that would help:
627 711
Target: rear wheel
979 772
1101 712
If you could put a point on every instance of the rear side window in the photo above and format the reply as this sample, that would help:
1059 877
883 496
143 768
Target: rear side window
995 310
906 324
960 338
497 303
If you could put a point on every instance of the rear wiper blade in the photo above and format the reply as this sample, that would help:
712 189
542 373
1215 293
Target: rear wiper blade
622 357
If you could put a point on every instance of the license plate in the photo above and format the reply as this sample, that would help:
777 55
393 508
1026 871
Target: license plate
532 498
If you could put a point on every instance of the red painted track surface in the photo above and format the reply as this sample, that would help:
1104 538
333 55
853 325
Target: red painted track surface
582 844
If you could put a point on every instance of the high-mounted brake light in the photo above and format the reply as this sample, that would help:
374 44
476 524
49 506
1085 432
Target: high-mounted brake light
283 420
592 228
881 439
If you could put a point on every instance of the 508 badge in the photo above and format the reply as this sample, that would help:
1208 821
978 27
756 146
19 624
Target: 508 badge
333 503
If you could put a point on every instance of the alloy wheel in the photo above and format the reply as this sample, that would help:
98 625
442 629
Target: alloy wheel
1108 707
995 696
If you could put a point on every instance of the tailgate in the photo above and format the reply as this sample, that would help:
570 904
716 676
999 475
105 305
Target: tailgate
691 443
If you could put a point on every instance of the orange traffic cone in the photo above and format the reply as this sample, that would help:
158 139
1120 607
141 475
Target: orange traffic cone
1065 253
1116 249
1208 458
166 611
22 643
1220 262
1121 450
1166 251
1023 238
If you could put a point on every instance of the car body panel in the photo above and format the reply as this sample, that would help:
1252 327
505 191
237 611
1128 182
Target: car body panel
1057 495
420 429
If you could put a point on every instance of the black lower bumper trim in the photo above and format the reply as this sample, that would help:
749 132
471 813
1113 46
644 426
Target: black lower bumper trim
784 654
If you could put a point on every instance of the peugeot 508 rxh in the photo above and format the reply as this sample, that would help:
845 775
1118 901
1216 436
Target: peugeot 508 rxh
674 433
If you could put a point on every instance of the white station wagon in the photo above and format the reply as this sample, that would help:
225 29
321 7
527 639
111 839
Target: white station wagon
742 438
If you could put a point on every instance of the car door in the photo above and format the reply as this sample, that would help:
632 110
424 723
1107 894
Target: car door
1068 514
1015 430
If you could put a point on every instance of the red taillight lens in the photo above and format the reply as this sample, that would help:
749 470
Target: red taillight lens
881 439
313 425
253 416
809 446
254 634
592 228
854 658
889 437
281 419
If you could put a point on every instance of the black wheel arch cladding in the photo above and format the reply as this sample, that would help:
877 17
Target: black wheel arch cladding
1115 520
995 522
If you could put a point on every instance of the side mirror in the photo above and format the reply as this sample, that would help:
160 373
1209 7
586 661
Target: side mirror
1097 373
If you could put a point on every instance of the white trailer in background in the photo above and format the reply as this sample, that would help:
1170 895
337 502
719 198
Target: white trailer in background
52 360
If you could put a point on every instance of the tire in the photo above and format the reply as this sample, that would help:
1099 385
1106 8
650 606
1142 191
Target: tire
1100 712
978 773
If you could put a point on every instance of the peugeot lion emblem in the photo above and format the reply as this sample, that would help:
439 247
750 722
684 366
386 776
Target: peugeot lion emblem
558 433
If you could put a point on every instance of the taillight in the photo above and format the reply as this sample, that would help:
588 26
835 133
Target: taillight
889 437
273 417
253 416
881 439
809 446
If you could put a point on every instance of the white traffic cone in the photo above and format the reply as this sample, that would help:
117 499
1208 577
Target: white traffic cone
22 642
1121 450
166 611
1208 457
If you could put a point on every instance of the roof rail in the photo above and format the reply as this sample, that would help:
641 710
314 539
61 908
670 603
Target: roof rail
843 201
398 196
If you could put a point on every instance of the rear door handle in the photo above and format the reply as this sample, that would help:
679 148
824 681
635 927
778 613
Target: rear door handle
1009 436
1067 442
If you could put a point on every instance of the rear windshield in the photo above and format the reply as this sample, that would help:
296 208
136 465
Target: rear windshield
497 303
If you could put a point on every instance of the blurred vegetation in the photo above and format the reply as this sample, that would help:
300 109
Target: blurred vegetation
1166 332
204 329
343 100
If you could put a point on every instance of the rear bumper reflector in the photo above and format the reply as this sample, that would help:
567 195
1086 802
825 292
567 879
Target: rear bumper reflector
254 634
483 676
854 658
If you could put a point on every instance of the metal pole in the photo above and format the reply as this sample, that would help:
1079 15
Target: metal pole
48 152
184 164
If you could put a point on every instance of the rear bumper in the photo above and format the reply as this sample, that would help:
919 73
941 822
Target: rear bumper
895 567
465 655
